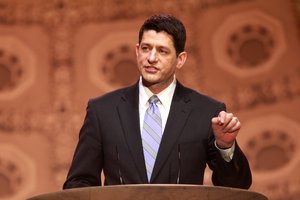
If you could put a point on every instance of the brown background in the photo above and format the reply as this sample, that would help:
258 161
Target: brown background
55 55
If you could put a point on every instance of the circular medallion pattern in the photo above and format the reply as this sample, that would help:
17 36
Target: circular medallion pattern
17 173
248 43
17 64
271 146
250 46
112 62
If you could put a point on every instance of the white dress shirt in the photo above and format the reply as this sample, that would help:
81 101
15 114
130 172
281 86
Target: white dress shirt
164 105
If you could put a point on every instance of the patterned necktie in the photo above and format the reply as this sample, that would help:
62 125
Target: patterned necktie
151 134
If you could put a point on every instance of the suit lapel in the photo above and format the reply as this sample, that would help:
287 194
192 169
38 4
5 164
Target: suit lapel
179 113
129 116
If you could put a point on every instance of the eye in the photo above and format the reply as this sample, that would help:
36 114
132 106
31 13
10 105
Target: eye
145 48
163 51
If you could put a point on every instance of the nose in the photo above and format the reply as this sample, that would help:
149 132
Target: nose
152 57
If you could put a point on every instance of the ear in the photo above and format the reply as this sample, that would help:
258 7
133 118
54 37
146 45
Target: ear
137 46
181 58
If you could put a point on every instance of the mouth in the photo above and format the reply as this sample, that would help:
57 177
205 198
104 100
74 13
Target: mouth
151 69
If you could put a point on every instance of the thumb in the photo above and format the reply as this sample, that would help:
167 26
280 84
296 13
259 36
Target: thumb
216 121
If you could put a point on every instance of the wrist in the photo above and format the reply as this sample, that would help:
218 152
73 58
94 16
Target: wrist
226 153
222 145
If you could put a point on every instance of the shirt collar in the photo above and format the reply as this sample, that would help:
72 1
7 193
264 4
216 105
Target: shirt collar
164 96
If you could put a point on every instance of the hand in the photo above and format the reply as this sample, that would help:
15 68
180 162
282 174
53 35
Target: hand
225 127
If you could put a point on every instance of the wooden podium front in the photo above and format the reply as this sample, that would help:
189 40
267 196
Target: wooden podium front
152 192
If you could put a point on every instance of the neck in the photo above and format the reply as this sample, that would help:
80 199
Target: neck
156 88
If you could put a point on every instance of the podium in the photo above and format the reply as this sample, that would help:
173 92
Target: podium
152 192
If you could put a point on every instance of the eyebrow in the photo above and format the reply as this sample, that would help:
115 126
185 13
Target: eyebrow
159 46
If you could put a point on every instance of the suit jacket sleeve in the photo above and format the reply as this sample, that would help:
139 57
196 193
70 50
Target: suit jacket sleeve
235 173
88 157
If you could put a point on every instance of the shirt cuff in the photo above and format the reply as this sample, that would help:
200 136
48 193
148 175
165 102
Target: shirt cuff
226 154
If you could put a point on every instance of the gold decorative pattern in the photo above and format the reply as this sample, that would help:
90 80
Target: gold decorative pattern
17 173
272 148
107 66
17 67
249 43
59 121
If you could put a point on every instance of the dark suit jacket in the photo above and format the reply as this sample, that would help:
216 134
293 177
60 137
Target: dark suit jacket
110 139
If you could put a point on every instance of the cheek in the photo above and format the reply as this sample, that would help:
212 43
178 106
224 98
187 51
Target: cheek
170 64
140 58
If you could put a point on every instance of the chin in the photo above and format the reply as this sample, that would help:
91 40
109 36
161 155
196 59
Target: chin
149 81
150 78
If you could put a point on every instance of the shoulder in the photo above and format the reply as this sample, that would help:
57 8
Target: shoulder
198 99
204 97
113 97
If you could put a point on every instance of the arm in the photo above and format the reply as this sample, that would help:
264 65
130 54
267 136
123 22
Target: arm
88 159
236 172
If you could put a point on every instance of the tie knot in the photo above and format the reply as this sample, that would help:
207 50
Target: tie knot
153 99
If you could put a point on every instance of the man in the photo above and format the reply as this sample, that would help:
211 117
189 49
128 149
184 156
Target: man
168 139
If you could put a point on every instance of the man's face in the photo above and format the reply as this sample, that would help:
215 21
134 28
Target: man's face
157 60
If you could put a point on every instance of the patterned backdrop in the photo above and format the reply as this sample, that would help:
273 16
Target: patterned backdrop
55 55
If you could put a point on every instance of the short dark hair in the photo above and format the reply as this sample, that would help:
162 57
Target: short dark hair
170 25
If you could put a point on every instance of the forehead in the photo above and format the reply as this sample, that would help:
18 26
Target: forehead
157 38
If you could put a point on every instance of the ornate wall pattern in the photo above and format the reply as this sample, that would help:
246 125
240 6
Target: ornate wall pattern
107 66
54 55
17 67
253 42
19 170
272 140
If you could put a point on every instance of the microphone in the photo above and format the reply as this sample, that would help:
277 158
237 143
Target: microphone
179 165
119 170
